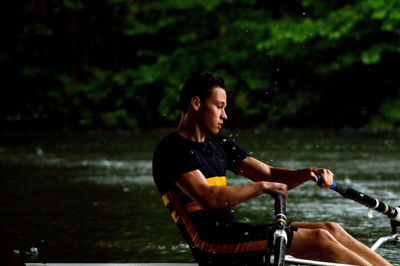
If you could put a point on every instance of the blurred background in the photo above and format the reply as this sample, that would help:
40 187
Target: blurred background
90 87
120 64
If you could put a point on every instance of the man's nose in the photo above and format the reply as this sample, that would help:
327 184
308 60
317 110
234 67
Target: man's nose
223 115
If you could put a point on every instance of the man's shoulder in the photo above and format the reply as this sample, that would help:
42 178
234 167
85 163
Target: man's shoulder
166 139
170 144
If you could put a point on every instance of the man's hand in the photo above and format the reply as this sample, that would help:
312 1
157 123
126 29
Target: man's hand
311 174
274 188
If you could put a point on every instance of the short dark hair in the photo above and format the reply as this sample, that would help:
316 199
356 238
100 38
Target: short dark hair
200 85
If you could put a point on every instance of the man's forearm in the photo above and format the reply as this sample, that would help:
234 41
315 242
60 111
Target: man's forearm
223 197
256 170
289 177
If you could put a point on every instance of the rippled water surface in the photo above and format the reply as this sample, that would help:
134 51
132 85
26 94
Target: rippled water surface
90 197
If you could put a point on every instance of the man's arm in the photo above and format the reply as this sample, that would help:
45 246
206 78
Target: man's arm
214 198
256 170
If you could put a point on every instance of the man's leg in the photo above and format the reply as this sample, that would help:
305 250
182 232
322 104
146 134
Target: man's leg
340 245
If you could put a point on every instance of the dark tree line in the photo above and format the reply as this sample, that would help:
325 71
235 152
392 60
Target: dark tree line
121 63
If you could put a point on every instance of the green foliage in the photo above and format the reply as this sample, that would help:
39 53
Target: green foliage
76 5
351 25
114 63
388 116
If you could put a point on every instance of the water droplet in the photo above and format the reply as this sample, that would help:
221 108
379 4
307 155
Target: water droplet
39 152
304 13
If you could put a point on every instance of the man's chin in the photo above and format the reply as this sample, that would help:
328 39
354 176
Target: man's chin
213 132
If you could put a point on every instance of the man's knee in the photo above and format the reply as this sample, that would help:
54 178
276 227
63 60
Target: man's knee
313 239
333 228
323 237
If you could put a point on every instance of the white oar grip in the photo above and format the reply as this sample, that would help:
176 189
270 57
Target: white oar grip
397 217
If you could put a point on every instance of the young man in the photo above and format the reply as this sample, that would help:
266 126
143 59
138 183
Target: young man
189 169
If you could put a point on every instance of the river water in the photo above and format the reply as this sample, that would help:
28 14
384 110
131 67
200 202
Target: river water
90 197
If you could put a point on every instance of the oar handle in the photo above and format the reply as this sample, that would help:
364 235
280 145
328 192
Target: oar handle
333 183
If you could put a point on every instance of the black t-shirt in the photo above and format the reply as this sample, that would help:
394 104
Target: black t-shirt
176 155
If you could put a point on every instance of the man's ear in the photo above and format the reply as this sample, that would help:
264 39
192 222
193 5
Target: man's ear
195 102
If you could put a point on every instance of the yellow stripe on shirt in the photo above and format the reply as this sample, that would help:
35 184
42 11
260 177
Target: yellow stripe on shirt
217 181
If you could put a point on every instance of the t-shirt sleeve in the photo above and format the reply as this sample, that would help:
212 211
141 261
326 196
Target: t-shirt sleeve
170 163
235 154
183 162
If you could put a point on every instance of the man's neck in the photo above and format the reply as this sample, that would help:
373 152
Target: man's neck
191 131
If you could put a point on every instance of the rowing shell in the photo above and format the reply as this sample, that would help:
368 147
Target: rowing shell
288 259
110 264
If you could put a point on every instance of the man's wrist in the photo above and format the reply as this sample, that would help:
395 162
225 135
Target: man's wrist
300 175
297 172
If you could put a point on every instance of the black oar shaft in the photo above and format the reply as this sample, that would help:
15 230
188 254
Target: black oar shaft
280 235
348 192
366 200
280 211
280 246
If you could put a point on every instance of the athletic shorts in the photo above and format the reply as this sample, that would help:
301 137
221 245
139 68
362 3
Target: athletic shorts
240 243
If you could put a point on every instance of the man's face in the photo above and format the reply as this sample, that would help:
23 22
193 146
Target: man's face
212 111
